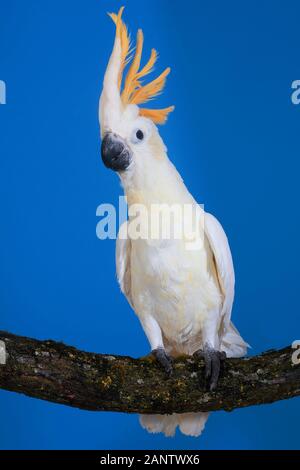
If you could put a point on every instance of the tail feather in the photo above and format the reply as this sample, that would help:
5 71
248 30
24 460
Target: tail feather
233 344
159 423
190 424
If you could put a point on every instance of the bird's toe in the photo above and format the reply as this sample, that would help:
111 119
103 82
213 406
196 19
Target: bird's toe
164 360
212 360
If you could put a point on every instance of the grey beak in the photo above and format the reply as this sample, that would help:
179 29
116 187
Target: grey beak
115 153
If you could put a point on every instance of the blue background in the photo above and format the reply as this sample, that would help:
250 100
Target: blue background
234 137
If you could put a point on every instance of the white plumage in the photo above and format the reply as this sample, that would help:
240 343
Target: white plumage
182 297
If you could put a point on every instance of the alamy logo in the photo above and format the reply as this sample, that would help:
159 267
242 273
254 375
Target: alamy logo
2 353
295 96
296 353
155 222
2 92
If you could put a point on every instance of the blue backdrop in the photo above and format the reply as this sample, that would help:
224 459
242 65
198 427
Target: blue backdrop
234 136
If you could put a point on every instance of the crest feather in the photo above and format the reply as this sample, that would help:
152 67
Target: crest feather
159 116
134 92
152 89
122 34
131 80
148 68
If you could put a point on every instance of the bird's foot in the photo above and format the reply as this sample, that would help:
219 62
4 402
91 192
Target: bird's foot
213 360
164 360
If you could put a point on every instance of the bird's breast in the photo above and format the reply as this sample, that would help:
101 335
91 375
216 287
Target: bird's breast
174 285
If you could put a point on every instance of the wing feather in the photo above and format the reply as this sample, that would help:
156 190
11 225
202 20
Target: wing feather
123 265
224 265
232 343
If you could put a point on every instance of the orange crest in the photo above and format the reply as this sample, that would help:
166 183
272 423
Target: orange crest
134 92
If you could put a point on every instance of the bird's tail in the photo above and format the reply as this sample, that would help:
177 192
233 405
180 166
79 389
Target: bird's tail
233 344
190 424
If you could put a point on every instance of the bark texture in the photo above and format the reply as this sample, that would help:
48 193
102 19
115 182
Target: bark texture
62 374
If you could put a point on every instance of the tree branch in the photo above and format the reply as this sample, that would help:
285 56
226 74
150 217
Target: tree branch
62 374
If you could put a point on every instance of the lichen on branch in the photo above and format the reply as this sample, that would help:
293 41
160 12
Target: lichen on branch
52 371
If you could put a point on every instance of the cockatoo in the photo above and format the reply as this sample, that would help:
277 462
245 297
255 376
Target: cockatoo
182 297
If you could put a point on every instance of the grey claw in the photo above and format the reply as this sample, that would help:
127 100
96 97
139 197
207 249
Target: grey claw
165 361
208 366
216 365
212 359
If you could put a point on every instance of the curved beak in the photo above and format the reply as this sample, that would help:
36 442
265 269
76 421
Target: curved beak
115 153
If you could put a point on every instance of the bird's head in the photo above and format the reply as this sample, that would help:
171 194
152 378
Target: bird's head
129 134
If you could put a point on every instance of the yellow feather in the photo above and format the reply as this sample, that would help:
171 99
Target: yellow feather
149 66
122 33
134 92
131 78
152 89
158 116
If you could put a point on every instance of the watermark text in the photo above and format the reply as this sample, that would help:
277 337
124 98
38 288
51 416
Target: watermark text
155 222
295 96
2 92
2 353
296 353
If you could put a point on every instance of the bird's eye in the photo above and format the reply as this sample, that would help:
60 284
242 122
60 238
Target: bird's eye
139 134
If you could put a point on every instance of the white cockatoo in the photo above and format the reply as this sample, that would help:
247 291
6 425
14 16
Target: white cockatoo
182 296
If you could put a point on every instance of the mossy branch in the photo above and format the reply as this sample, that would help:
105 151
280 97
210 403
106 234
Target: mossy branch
62 374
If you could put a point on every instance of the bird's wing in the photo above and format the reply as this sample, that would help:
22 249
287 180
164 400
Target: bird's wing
223 261
231 341
123 254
